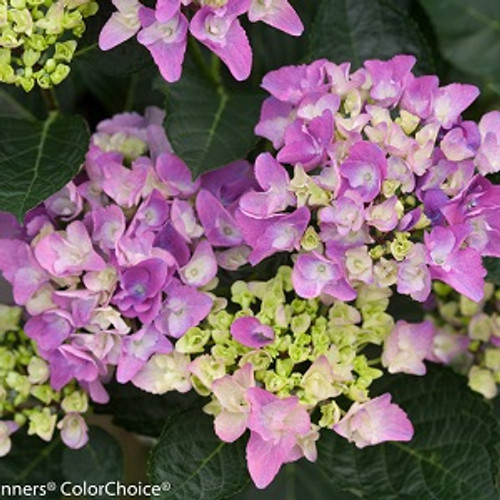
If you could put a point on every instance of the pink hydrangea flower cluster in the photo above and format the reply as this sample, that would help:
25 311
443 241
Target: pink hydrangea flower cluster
118 263
215 23
457 332
377 184
388 184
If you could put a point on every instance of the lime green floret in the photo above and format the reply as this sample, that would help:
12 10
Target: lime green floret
25 393
318 351
38 39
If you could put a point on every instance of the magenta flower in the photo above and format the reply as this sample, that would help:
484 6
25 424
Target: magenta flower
307 143
407 346
383 216
50 329
279 233
228 183
166 41
477 206
389 78
364 169
251 332
374 422
74 431
166 9
220 227
461 142
275 117
231 394
346 213
274 180
202 267
414 277
67 253
109 226
184 308
488 158
141 285
170 240
151 215
122 25
68 362
80 304
275 424
277 13
184 221
136 350
419 93
291 83
461 268
314 275
451 101
176 176
20 268
221 31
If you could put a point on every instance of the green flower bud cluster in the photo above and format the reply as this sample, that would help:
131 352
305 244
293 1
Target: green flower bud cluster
318 351
26 396
37 39
469 335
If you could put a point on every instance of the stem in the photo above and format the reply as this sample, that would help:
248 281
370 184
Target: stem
50 98
130 98
88 48
208 71
215 69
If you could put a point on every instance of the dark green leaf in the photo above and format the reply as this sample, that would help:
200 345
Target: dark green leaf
145 413
492 265
34 462
196 463
365 29
38 158
297 481
452 454
468 33
10 108
97 463
273 49
210 126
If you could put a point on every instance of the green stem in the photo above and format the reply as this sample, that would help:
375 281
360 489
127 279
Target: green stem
130 98
50 98
196 53
88 48
215 69
372 362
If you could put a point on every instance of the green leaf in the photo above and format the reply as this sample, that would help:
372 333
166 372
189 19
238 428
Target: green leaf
10 108
195 462
38 158
366 29
468 33
297 481
210 126
452 454
97 463
492 265
34 462
144 413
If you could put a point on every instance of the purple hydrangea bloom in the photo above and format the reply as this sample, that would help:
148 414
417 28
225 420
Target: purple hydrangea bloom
314 275
364 169
184 308
140 286
251 332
